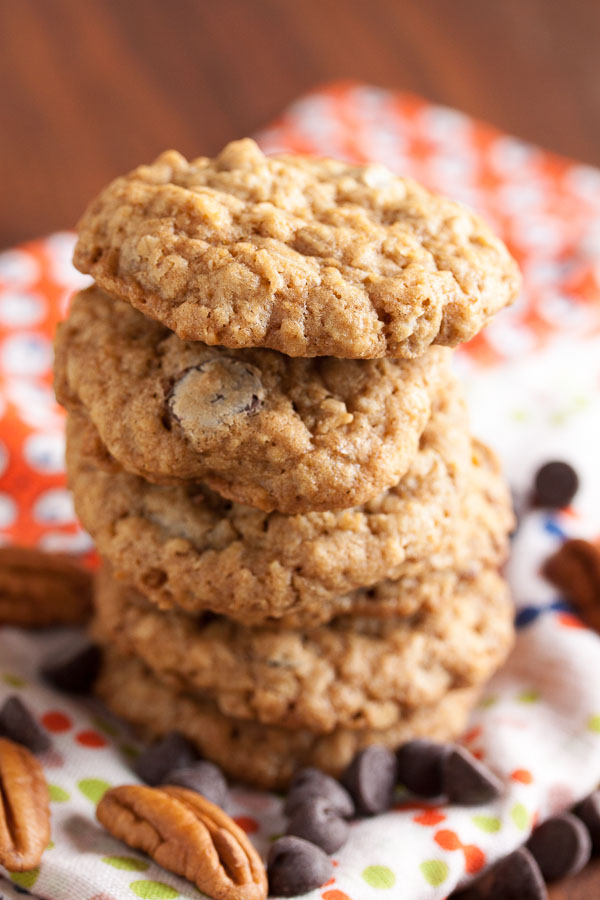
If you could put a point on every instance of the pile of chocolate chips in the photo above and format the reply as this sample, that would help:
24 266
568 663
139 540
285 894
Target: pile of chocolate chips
174 760
559 847
318 807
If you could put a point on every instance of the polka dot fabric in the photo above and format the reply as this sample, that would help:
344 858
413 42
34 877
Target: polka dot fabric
533 381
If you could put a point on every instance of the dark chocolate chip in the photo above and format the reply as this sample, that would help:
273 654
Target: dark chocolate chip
74 667
420 767
17 723
561 846
467 781
203 777
308 783
589 813
295 866
317 822
555 485
517 877
213 395
371 778
173 751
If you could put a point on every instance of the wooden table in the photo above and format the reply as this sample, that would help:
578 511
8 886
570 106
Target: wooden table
92 87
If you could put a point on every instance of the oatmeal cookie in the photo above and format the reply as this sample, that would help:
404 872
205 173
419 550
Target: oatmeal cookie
260 428
311 257
353 673
262 755
189 547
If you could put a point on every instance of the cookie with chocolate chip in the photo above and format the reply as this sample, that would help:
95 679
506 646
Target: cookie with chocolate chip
261 428
188 547
311 257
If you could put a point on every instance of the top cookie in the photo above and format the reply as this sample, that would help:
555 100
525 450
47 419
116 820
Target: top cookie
311 257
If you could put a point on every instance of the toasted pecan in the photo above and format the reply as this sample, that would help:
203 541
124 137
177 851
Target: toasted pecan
575 570
189 836
24 808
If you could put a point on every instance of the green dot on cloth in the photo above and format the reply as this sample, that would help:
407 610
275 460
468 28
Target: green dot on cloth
490 824
435 871
57 794
129 751
520 816
104 726
93 788
379 877
153 890
25 879
488 701
13 680
594 723
530 696
128 863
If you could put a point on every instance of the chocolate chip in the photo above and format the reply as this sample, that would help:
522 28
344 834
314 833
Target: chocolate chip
74 667
517 877
17 724
589 813
467 781
317 822
420 767
173 751
203 777
308 783
295 866
371 778
214 395
561 846
555 485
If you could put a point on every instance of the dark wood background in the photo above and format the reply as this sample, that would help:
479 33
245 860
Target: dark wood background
90 88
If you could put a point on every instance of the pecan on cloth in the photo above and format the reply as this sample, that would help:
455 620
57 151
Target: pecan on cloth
575 570
189 836
24 808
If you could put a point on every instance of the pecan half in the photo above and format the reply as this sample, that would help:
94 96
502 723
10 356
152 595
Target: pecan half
575 569
24 808
189 836
39 589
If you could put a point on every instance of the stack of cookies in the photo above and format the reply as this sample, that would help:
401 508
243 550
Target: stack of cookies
300 538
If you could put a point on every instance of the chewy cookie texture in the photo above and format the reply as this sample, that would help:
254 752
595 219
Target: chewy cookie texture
190 548
312 257
293 435
354 672
301 540
264 755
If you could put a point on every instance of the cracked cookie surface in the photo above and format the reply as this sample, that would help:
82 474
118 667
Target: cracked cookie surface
259 427
354 672
189 547
311 257
263 755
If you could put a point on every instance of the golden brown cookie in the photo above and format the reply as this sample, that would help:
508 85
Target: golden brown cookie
186 546
353 673
263 755
259 427
311 257
40 589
